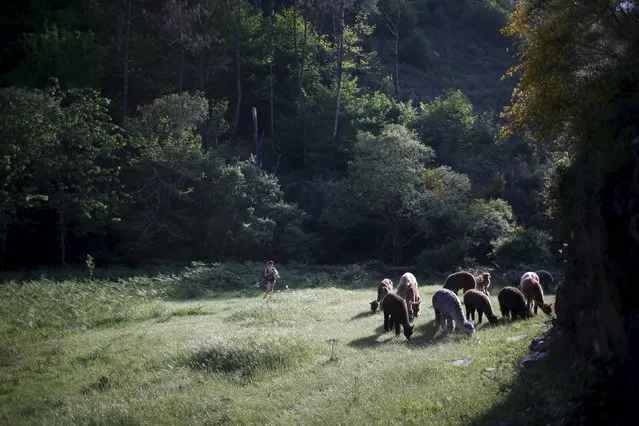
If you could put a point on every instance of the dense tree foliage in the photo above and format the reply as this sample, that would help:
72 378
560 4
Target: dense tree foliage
211 130
578 90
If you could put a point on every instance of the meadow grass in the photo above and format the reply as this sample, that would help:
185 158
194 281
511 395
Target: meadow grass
99 352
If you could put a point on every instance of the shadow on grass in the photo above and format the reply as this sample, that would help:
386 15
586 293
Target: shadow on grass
423 334
365 342
426 333
372 340
362 315
539 394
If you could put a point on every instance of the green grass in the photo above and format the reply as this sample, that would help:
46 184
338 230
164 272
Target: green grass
97 352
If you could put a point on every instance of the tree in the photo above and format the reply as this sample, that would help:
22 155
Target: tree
447 122
577 65
76 173
27 121
167 163
386 173
392 11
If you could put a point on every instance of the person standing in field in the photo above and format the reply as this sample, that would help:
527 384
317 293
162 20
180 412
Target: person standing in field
270 275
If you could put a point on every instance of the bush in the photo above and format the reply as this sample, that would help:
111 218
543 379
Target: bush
523 246
446 256
416 50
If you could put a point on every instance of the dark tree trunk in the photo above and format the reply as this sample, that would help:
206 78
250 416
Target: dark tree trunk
125 60
62 237
271 77
338 73
300 60
598 304
396 34
238 80
256 139
3 243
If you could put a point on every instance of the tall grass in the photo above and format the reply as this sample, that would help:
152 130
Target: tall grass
129 351
249 356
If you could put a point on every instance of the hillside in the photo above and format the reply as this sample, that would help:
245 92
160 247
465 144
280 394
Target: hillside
452 45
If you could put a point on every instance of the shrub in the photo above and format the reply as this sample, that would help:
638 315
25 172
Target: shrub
416 50
523 246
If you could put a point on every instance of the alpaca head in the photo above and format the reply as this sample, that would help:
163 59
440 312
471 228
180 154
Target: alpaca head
546 308
374 306
416 307
468 327
492 319
408 331
486 277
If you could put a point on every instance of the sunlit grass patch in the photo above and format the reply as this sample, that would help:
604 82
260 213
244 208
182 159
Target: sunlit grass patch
303 356
247 357
288 308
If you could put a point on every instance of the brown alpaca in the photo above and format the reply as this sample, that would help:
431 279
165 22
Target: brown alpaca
384 287
512 303
396 314
409 290
534 294
460 281
475 300
483 282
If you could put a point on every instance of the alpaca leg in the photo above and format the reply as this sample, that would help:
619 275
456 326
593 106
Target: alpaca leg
397 328
479 314
386 321
467 313
536 306
504 311
450 326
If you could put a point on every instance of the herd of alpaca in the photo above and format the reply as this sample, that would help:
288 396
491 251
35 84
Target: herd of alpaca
401 306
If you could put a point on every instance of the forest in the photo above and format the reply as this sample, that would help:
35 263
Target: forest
440 134
306 131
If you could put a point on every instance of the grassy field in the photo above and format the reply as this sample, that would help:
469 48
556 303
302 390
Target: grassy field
130 351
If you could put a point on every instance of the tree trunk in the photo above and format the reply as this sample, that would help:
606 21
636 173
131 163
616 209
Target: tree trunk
62 235
125 61
597 304
338 74
256 139
238 81
299 67
270 77
3 243
397 53
181 70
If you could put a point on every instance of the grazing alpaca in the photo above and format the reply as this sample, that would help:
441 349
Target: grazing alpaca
396 314
483 282
384 287
534 294
545 279
460 280
409 290
448 312
475 300
512 303
528 274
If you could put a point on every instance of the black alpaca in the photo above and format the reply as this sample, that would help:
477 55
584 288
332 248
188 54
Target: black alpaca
396 314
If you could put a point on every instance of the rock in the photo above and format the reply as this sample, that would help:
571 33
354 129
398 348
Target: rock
516 338
534 357
462 362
